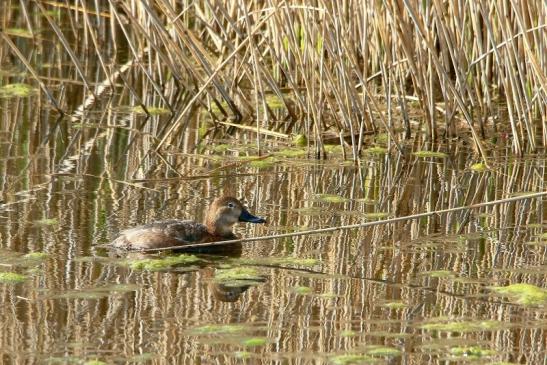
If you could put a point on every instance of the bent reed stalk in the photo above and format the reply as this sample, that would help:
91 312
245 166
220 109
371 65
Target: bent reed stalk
350 226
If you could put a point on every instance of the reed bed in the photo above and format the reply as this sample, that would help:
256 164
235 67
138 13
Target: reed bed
323 69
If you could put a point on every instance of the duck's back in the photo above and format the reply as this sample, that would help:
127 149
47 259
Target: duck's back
160 234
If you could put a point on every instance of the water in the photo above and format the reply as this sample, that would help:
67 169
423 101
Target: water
413 292
366 292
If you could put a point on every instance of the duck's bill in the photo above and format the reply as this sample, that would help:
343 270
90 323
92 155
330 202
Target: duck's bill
245 216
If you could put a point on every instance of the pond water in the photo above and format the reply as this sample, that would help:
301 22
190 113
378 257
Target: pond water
465 286
410 292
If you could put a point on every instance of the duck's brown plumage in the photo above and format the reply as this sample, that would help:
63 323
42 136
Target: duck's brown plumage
221 217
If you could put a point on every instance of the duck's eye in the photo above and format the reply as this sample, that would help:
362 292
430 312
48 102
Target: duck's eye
231 205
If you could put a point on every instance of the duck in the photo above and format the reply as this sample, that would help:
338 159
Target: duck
220 219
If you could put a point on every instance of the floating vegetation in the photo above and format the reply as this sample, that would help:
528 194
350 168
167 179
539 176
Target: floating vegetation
376 215
291 152
97 292
438 274
16 90
151 110
242 354
383 351
36 256
300 140
331 198
47 222
238 277
471 351
463 326
95 362
12 278
217 329
18 32
348 333
394 305
163 263
302 290
328 295
347 359
333 148
525 294
270 261
376 150
427 154
479 167
263 163
254 341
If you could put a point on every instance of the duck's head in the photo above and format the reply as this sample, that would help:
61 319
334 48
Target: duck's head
224 213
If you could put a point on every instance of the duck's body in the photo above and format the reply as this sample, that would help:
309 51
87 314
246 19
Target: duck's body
218 226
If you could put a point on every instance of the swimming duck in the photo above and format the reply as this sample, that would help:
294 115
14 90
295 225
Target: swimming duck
219 222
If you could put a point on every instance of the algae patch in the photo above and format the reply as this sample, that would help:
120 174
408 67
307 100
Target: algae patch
275 261
254 341
479 167
463 326
35 256
331 198
16 90
163 263
377 150
475 352
302 290
151 110
426 154
346 359
525 294
238 277
12 278
217 329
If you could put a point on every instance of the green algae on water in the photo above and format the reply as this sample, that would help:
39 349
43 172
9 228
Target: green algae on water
274 261
95 362
426 154
47 222
302 290
377 215
438 274
475 352
238 277
479 167
151 110
463 326
348 333
383 351
394 305
347 359
16 90
242 354
217 329
331 198
36 256
18 32
263 163
11 278
376 150
300 140
163 263
525 294
254 341
291 152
